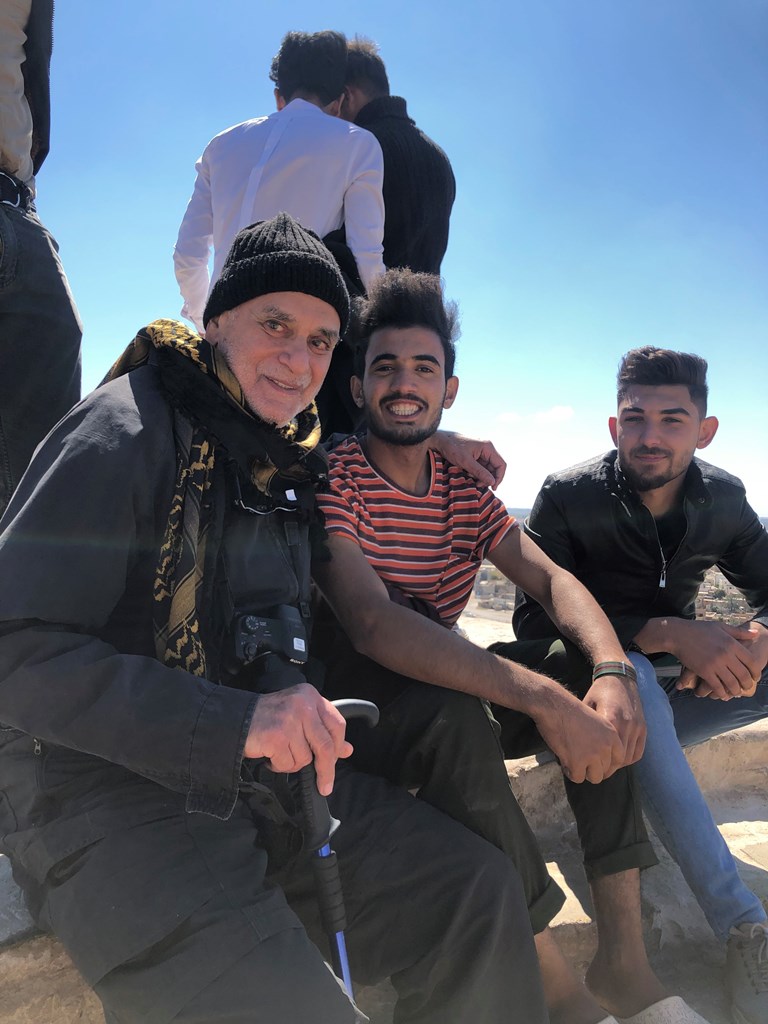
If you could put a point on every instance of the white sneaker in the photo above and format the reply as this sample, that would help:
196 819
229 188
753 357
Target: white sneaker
746 971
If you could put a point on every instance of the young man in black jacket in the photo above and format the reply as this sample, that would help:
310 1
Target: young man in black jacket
639 527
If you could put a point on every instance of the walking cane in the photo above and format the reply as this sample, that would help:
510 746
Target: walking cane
319 827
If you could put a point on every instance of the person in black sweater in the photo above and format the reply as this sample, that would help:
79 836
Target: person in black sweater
419 186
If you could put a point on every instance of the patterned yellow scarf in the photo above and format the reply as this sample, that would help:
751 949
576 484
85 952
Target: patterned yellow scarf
265 453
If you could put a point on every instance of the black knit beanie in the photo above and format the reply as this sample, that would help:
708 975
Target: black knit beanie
278 255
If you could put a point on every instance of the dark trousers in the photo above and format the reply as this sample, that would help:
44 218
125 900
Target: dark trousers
39 342
429 904
608 815
449 746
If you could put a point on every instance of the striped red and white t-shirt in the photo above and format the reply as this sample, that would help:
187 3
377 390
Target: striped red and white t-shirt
429 547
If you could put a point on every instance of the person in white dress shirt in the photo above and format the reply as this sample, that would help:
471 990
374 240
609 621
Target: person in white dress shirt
303 159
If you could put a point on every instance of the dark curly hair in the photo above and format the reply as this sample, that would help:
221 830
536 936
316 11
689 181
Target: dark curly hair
656 366
403 298
313 63
365 68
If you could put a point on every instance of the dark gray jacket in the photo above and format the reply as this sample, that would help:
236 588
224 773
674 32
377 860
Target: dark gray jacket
96 735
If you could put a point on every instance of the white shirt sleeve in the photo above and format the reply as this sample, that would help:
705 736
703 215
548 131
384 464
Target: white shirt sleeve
364 209
193 247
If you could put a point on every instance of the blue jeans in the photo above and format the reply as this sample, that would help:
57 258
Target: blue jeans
673 801
40 335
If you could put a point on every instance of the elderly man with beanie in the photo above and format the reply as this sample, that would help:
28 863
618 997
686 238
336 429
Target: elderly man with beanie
146 800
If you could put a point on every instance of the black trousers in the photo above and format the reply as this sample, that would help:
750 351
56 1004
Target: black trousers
608 815
429 904
451 747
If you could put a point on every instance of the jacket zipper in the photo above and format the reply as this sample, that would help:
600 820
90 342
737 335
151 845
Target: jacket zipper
39 762
663 575
664 562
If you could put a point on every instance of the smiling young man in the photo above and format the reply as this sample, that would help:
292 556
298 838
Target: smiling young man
640 526
408 532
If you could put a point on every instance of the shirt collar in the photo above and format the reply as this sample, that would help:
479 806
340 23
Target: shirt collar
382 106
299 106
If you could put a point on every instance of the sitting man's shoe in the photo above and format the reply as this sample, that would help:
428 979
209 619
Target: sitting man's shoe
672 1010
746 968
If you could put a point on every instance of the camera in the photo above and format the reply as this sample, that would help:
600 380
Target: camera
279 630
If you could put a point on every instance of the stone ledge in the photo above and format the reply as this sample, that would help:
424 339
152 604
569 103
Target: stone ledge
40 985
735 760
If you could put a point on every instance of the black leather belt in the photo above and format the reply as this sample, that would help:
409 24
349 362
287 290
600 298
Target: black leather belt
14 192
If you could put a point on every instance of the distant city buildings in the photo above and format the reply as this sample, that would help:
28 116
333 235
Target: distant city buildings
493 590
717 599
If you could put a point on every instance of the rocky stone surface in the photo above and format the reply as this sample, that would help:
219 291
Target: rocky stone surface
40 985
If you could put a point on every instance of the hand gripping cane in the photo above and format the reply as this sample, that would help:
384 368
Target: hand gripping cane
319 827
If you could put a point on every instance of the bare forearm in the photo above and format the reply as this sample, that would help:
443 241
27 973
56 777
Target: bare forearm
587 744
581 620
566 601
660 636
412 645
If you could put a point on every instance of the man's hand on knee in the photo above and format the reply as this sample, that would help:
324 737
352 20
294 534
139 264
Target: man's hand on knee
295 727
721 656
753 637
616 699
587 746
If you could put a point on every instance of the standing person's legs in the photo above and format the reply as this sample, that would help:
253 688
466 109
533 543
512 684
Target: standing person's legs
40 336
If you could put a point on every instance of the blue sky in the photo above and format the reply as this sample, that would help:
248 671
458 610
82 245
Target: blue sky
612 167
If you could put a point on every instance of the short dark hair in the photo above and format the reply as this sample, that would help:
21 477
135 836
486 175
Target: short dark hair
314 63
656 366
402 298
365 68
